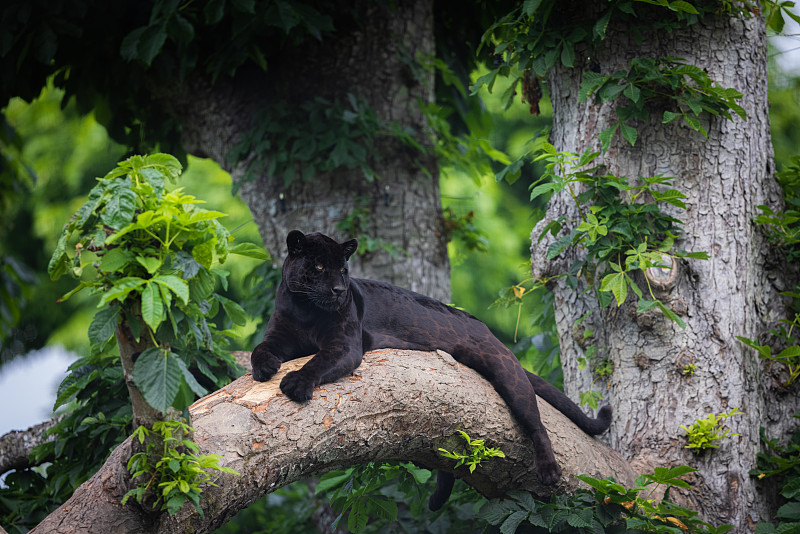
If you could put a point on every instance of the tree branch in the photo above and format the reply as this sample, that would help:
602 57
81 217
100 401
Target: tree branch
399 405
16 446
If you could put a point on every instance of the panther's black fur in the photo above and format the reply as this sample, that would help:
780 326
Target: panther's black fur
320 310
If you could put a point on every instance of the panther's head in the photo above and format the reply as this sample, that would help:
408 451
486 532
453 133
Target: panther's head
317 268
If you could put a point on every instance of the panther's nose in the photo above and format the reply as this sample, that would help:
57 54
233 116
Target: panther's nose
338 290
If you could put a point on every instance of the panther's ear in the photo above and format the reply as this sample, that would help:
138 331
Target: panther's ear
295 242
349 248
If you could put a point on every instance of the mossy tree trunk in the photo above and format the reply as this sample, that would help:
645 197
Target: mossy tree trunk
368 57
734 293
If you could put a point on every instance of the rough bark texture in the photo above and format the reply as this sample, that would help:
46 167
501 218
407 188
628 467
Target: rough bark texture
16 446
735 293
399 405
363 58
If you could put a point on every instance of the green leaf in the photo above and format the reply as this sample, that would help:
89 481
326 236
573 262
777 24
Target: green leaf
150 43
790 511
250 250
150 263
601 25
671 196
103 325
119 209
543 189
235 312
331 480
686 7
669 314
646 305
513 521
174 284
617 284
529 7
669 116
59 262
152 306
115 260
567 54
214 10
191 381
629 133
382 507
204 253
606 136
121 289
788 353
130 44
558 246
157 374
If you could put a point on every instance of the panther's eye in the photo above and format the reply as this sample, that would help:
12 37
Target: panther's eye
319 267
341 270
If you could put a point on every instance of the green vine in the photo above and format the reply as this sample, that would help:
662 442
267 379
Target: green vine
315 137
621 227
648 81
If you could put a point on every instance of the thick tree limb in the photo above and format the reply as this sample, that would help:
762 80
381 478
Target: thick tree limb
16 446
399 405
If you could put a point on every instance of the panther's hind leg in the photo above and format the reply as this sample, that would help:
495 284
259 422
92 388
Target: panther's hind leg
489 357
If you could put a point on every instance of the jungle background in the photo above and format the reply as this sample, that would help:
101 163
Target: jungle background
56 152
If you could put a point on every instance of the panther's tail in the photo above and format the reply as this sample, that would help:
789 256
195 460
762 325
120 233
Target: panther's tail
444 485
564 404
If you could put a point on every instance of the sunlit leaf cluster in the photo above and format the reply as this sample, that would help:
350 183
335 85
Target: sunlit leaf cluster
705 433
179 473
151 254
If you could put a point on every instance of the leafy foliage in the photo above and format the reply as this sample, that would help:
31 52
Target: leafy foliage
474 454
353 492
177 476
98 420
152 256
789 357
783 229
621 229
168 40
704 433
315 137
648 81
783 462
607 507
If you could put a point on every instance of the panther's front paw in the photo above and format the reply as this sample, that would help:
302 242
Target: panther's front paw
265 365
297 387
548 472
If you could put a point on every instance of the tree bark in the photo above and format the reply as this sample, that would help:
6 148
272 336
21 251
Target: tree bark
16 446
365 58
399 405
735 293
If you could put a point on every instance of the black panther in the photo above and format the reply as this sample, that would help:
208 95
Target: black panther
320 310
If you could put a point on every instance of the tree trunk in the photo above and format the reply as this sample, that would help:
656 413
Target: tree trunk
399 405
364 57
735 293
